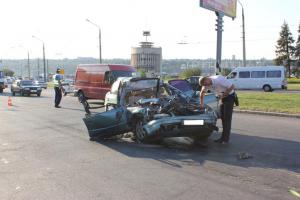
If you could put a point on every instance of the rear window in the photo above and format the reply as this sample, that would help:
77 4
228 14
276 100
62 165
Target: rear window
181 85
245 74
274 74
258 74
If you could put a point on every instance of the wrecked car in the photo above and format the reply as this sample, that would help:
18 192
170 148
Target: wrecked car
151 110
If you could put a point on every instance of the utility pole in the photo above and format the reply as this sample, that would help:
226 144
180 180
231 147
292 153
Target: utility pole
38 67
28 65
44 59
219 29
243 35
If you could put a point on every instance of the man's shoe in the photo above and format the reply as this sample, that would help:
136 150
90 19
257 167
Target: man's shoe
57 107
220 140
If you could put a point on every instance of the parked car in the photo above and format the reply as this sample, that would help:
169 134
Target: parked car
93 81
68 87
42 84
151 110
267 78
27 87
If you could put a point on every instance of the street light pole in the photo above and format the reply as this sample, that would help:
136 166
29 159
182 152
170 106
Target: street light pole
28 65
244 37
100 48
44 59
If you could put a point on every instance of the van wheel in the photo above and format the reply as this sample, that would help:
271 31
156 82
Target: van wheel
267 88
81 97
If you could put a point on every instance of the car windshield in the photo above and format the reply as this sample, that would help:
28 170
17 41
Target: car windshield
181 85
27 83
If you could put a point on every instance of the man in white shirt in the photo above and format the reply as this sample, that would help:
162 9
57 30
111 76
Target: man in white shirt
225 90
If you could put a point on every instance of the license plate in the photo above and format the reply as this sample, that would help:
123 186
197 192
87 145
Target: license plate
32 90
193 122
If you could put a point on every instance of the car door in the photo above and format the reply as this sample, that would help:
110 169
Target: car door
109 123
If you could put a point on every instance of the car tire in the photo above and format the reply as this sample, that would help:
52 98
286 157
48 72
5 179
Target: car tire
267 88
1 90
38 94
139 132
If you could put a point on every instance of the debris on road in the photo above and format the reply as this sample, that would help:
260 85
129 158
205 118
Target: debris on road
244 156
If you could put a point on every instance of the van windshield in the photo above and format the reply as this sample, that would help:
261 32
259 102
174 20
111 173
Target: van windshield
117 74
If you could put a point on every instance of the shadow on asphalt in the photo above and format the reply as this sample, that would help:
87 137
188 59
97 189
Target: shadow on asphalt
266 152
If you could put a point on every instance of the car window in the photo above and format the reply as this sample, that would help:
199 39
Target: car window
244 74
258 74
274 74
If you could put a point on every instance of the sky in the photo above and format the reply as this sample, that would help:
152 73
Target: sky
63 28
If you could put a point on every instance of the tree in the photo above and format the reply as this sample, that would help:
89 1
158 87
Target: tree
225 71
284 48
297 48
8 72
191 72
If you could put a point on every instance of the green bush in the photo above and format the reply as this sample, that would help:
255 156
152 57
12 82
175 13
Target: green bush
190 72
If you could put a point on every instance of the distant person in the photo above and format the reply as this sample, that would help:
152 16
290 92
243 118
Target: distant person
225 90
57 78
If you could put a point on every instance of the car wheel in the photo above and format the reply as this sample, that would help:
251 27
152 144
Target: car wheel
267 88
38 94
139 132
1 90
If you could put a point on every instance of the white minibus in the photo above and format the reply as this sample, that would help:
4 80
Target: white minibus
267 78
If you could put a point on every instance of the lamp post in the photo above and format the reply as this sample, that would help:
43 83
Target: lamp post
44 59
244 37
100 52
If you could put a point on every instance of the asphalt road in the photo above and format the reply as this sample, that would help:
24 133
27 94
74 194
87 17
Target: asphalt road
45 153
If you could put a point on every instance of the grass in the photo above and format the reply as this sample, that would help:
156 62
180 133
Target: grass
293 80
270 102
294 86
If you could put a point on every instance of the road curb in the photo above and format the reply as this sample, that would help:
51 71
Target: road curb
267 113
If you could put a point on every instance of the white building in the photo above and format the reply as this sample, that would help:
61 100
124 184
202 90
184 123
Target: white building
146 57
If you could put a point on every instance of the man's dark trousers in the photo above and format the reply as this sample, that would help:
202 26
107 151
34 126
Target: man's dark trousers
226 116
58 96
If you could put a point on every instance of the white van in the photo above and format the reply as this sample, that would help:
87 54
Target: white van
267 78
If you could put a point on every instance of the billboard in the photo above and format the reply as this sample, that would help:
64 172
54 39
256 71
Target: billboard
227 7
